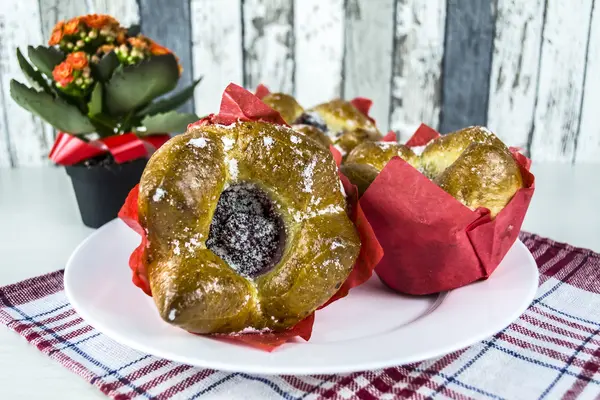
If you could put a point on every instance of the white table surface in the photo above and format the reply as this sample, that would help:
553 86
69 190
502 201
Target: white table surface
40 227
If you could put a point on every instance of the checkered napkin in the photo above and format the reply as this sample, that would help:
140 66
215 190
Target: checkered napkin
552 351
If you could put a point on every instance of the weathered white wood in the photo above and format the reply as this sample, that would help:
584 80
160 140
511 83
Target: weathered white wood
269 44
417 65
126 11
25 135
588 141
368 62
52 11
319 33
562 66
515 69
216 50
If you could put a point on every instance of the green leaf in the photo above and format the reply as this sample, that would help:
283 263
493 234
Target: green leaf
137 85
95 103
54 110
134 30
107 65
170 122
33 76
171 103
45 58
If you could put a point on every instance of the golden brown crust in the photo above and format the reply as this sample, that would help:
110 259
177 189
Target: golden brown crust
443 151
313 133
195 289
484 175
285 104
365 161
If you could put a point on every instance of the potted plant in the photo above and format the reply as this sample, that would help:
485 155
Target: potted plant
97 84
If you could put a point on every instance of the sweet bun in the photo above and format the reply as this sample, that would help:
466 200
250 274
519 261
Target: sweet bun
484 175
366 160
313 133
286 105
247 228
346 125
443 151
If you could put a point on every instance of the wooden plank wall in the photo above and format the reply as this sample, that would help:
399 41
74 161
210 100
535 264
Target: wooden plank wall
529 69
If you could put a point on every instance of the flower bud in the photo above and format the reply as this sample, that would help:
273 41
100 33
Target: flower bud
80 43
78 81
69 45
93 34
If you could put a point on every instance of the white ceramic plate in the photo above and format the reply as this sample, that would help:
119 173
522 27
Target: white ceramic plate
371 328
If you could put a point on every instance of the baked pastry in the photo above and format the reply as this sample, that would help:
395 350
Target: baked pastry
247 228
366 161
313 133
286 105
346 125
484 175
443 151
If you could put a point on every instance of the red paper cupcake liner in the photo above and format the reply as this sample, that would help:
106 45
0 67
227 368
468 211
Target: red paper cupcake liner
432 242
240 105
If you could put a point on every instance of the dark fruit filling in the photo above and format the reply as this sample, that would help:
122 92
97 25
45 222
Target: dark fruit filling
246 230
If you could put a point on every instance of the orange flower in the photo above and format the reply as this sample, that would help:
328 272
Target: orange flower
63 73
158 50
72 26
105 49
99 21
78 60
121 36
57 34
139 42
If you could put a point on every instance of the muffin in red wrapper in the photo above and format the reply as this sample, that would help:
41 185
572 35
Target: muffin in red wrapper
432 242
240 105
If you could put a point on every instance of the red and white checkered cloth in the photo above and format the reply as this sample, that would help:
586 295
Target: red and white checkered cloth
552 351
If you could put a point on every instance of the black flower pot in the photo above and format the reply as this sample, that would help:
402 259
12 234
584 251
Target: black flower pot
101 189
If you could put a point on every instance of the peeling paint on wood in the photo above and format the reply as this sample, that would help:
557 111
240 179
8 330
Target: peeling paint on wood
319 33
23 135
588 141
417 65
368 60
467 63
269 44
562 66
168 22
515 61
216 49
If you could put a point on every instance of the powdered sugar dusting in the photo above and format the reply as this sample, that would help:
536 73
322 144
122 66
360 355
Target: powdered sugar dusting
307 174
232 166
159 194
176 250
335 245
172 314
268 142
418 150
199 142
253 330
295 139
227 143
330 209
384 145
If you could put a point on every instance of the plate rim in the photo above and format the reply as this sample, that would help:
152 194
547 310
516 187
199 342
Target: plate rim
301 370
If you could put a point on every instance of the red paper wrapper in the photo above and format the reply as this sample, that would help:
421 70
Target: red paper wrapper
432 242
70 150
238 104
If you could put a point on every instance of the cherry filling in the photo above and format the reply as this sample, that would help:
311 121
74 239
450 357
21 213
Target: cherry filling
246 230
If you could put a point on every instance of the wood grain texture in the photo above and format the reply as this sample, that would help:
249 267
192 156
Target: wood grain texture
168 22
368 60
269 44
467 63
562 68
319 33
417 65
588 140
23 135
515 61
216 50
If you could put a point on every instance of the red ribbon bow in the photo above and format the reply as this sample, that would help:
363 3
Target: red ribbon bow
70 150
